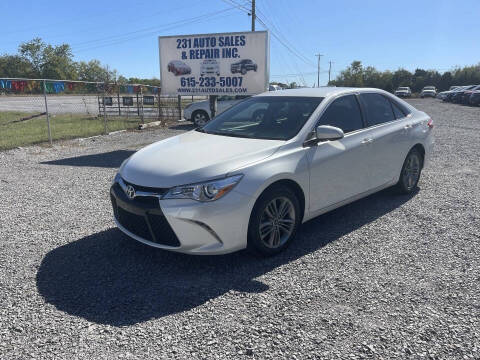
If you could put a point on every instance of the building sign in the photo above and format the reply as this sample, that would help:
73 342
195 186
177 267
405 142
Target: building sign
214 64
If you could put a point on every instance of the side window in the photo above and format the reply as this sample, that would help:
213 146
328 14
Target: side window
378 109
343 113
397 111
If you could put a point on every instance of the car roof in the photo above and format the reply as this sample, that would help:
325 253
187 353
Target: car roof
326 91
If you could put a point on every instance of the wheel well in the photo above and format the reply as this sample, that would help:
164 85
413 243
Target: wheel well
295 188
200 111
421 150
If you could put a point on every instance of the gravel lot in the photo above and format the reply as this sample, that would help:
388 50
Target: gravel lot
392 277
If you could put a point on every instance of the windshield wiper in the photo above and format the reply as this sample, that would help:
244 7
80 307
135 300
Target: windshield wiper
231 134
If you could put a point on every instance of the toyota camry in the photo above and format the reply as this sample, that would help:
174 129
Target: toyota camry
252 175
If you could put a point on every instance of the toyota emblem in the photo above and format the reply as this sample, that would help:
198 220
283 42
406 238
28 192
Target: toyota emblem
130 191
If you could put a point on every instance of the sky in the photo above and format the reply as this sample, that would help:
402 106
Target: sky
428 34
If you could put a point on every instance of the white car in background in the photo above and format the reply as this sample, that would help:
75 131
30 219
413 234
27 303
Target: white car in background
403 91
243 181
428 91
209 67
199 112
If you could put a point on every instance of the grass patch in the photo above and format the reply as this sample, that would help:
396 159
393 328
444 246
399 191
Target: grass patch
63 126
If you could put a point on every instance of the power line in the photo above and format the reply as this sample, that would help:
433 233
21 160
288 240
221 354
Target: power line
108 41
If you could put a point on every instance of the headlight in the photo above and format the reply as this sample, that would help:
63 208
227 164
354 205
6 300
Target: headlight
207 191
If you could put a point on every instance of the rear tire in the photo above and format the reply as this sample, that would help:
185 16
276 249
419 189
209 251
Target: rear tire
274 221
411 171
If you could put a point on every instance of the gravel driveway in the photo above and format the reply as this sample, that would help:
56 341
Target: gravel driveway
387 277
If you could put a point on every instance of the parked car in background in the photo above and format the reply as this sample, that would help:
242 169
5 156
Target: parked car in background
403 91
457 95
475 97
428 91
178 67
467 94
451 93
209 67
243 66
274 87
199 112
246 182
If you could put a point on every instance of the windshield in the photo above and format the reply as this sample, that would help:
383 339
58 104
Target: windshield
264 117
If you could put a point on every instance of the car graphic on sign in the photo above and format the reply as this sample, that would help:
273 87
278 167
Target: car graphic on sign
209 67
178 67
243 66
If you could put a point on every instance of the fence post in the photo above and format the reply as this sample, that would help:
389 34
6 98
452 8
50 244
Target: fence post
159 107
213 105
46 112
180 107
118 100
104 110
138 108
141 115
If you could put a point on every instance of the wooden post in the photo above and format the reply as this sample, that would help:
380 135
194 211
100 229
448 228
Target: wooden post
213 105
180 107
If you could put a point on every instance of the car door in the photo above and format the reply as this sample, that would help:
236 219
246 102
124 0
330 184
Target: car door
338 169
388 136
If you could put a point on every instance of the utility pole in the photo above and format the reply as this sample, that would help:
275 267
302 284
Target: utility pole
318 69
253 15
329 70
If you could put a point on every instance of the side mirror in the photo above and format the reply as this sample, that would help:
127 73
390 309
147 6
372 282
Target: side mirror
327 132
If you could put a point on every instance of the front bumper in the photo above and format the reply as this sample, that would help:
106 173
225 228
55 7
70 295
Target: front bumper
182 225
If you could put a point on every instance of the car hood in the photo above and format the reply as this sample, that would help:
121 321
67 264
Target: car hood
193 157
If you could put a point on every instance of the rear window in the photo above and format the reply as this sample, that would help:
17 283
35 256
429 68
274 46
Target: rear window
378 109
402 108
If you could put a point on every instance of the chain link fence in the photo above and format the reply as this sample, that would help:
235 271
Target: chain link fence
42 110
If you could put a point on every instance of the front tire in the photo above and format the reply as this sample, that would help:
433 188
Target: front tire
274 221
411 171
200 117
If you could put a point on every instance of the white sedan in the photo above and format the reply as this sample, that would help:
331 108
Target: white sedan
199 112
249 181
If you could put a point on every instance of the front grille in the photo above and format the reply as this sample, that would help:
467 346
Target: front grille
148 221
136 224
162 231
156 190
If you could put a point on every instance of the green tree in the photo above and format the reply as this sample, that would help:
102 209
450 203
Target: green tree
15 66
95 71
48 61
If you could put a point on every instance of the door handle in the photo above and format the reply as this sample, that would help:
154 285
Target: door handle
367 141
408 126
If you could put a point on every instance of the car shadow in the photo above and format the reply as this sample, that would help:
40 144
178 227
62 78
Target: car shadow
112 159
184 126
108 278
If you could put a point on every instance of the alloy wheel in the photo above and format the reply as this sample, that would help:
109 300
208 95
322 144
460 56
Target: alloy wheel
200 119
277 222
411 171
